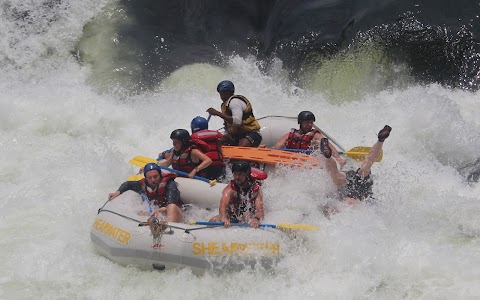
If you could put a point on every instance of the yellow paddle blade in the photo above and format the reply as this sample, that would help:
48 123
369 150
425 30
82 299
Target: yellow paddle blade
135 177
298 227
360 152
141 161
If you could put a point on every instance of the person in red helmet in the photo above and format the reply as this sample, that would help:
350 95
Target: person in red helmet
353 186
242 198
240 123
160 190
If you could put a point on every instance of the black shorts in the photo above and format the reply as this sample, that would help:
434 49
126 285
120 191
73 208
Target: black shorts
357 187
254 137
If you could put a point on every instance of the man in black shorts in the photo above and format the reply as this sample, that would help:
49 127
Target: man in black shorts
353 186
240 123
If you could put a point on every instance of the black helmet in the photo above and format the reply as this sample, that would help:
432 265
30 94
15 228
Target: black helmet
180 134
305 116
241 166
226 85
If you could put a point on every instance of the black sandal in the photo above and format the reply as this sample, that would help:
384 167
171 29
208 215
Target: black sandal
384 133
325 148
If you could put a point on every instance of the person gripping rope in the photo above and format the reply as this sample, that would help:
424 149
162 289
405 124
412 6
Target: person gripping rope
160 189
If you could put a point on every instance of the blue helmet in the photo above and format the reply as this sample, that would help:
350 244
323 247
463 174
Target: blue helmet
151 166
199 123
226 85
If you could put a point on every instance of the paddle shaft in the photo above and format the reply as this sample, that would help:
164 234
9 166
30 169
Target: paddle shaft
358 153
184 174
233 224
307 151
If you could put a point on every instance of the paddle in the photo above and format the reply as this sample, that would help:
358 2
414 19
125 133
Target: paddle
357 153
279 226
141 161
135 177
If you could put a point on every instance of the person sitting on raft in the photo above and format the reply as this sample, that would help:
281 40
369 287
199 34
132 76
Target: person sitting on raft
353 186
199 126
186 155
305 137
200 131
161 189
242 128
242 198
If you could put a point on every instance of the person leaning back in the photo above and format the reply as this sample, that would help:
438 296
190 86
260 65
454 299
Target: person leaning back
160 189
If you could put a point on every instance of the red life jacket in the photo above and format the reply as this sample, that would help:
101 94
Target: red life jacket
211 138
243 200
159 194
258 174
183 162
296 140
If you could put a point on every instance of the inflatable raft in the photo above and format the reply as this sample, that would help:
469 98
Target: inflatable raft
120 233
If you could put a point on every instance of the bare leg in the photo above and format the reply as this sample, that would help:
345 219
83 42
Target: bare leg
226 139
174 213
245 143
330 164
366 166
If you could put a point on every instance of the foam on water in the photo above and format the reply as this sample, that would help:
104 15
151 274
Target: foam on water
65 147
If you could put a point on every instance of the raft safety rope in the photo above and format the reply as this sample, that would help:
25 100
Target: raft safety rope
157 227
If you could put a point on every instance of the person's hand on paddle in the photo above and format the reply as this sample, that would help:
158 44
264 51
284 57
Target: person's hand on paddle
255 222
114 195
192 174
226 221
212 111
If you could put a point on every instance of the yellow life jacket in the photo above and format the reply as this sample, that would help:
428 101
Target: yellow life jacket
249 123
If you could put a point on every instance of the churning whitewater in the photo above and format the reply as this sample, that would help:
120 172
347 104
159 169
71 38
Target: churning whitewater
65 144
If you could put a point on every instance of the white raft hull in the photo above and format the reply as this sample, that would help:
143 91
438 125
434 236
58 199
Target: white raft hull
116 234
